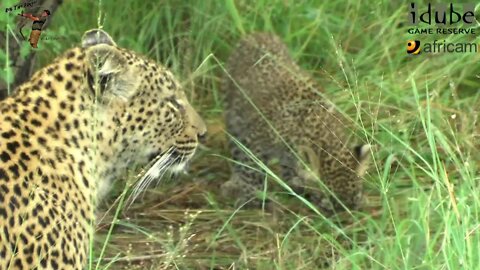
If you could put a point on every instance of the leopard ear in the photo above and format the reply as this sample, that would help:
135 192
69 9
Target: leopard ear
96 36
362 152
109 74
362 155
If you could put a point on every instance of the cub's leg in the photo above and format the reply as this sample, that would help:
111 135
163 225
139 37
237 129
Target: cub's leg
303 181
247 180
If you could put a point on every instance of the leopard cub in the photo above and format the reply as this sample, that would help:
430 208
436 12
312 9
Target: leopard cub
275 111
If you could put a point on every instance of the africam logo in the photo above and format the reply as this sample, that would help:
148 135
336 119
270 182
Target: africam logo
414 47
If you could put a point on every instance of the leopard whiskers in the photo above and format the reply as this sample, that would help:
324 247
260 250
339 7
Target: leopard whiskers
156 171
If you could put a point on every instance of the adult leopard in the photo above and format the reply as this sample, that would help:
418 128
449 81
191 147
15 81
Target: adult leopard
67 132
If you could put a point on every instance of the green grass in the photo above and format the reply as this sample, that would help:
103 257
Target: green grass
422 207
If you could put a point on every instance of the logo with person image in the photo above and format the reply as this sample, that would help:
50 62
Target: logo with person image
37 25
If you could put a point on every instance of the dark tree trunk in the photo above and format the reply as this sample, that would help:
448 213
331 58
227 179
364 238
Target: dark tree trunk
23 68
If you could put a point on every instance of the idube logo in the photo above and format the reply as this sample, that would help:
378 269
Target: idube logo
441 15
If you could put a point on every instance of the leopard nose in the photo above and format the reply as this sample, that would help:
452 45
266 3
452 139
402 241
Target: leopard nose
202 137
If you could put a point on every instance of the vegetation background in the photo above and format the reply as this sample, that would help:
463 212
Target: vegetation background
422 205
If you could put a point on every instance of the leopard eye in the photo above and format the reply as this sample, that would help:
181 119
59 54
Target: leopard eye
175 103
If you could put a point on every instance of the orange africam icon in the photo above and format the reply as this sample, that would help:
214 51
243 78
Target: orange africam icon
413 46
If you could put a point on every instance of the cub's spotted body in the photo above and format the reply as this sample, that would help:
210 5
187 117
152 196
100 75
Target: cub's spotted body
287 98
66 133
